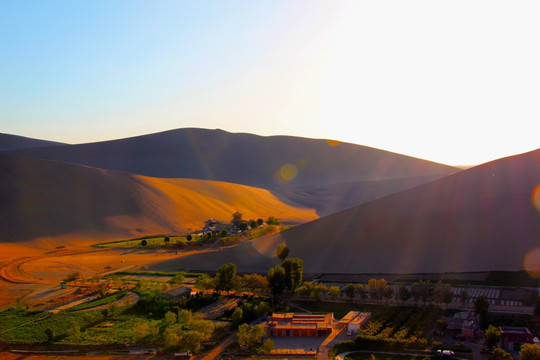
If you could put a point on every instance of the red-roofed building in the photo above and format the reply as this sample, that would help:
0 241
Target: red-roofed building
293 324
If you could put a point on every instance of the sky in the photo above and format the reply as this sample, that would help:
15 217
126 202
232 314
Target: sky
457 82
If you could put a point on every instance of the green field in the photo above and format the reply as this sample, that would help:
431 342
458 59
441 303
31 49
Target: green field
152 241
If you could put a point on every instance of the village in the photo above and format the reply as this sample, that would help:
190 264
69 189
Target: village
276 315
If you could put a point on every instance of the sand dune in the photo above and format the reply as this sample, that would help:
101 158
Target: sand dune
49 202
484 218
14 142
266 162
330 198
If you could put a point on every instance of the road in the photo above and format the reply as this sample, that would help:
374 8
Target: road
12 272
217 350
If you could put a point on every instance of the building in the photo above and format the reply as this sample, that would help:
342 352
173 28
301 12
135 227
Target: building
293 324
177 292
353 321
513 337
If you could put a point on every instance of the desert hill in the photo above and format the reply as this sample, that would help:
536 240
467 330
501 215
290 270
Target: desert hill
483 218
15 142
325 175
241 158
46 200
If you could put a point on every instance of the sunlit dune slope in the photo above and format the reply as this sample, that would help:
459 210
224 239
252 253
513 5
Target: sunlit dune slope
484 218
48 201
267 162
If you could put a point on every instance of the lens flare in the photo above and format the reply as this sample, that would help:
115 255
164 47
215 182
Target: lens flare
288 172
531 262
536 197
333 142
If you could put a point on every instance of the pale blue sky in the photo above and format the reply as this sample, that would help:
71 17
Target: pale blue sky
454 82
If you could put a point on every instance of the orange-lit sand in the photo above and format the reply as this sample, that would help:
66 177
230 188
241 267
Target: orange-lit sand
46 203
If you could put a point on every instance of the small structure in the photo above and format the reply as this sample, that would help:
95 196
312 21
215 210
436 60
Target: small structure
177 292
293 324
356 323
513 337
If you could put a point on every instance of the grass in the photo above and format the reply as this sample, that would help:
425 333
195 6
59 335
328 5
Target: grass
12 318
156 273
117 330
261 230
37 332
98 302
152 241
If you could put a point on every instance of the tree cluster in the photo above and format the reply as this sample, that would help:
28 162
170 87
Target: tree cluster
285 277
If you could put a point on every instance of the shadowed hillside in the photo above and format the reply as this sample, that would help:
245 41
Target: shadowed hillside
14 142
253 160
52 200
483 218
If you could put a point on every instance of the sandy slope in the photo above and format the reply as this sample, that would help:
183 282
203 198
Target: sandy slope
484 218
48 203
260 161
14 142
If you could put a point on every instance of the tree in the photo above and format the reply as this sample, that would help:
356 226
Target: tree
184 316
493 335
359 290
242 335
377 288
169 319
350 291
243 226
481 305
223 233
166 239
225 277
268 345
500 354
204 327
282 251
260 222
140 331
316 291
72 277
464 296
190 341
177 279
144 242
529 352
442 293
403 293
422 290
334 291
293 273
250 335
237 316
171 338
441 326
253 283
263 308
276 280
189 237
273 221
256 334
253 224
